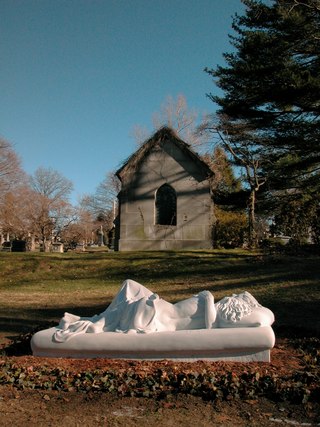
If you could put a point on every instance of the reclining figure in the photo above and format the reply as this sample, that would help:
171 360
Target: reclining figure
136 309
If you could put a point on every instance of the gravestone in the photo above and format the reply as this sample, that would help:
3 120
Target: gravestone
19 246
57 247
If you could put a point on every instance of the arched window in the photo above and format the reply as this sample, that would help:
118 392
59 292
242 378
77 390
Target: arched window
166 206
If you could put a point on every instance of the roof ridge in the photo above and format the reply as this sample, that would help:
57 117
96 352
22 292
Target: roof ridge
162 134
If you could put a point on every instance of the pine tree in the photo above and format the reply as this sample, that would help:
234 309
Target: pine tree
270 108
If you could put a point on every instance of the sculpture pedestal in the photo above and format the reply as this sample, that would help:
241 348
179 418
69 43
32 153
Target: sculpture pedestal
250 344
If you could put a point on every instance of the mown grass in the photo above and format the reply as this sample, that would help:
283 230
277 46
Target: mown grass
36 288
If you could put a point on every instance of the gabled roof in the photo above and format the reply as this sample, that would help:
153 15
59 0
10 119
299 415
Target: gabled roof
164 134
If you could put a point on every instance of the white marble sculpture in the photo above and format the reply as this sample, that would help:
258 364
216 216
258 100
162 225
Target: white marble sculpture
136 309
191 326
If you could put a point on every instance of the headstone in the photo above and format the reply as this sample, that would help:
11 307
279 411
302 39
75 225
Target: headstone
6 246
101 237
19 246
57 247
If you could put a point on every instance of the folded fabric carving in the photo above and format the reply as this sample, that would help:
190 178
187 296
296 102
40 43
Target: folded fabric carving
137 310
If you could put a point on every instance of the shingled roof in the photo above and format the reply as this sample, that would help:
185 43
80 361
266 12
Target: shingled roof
162 135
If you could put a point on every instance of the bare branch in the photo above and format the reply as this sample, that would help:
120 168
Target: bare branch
11 173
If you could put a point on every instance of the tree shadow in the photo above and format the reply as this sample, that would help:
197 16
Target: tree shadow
25 323
220 273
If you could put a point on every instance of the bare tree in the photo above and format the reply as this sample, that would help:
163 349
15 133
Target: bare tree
100 208
84 229
51 184
14 218
11 176
50 207
243 153
11 173
140 134
103 203
63 215
175 114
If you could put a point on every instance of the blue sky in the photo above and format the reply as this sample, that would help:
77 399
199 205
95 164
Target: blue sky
76 76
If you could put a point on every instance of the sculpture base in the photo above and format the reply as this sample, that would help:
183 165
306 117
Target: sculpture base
229 344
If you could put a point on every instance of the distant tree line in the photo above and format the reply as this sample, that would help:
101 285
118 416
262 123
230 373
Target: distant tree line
36 209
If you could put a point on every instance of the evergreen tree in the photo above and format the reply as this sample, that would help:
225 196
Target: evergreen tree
229 228
224 178
270 108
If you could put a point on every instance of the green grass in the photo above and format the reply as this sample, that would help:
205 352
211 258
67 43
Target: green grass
36 288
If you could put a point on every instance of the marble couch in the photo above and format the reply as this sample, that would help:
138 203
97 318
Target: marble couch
233 344
140 325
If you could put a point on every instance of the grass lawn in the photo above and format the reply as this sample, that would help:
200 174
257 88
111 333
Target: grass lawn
36 288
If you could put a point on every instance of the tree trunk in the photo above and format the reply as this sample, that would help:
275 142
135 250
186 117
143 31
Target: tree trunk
45 243
252 238
32 243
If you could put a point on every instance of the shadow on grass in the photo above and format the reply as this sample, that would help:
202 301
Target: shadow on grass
288 286
296 319
208 267
24 323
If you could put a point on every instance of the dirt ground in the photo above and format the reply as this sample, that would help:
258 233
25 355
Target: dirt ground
53 408
34 408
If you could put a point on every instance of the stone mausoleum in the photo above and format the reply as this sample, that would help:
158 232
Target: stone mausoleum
165 202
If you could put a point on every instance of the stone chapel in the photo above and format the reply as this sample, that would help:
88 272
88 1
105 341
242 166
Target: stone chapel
165 202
